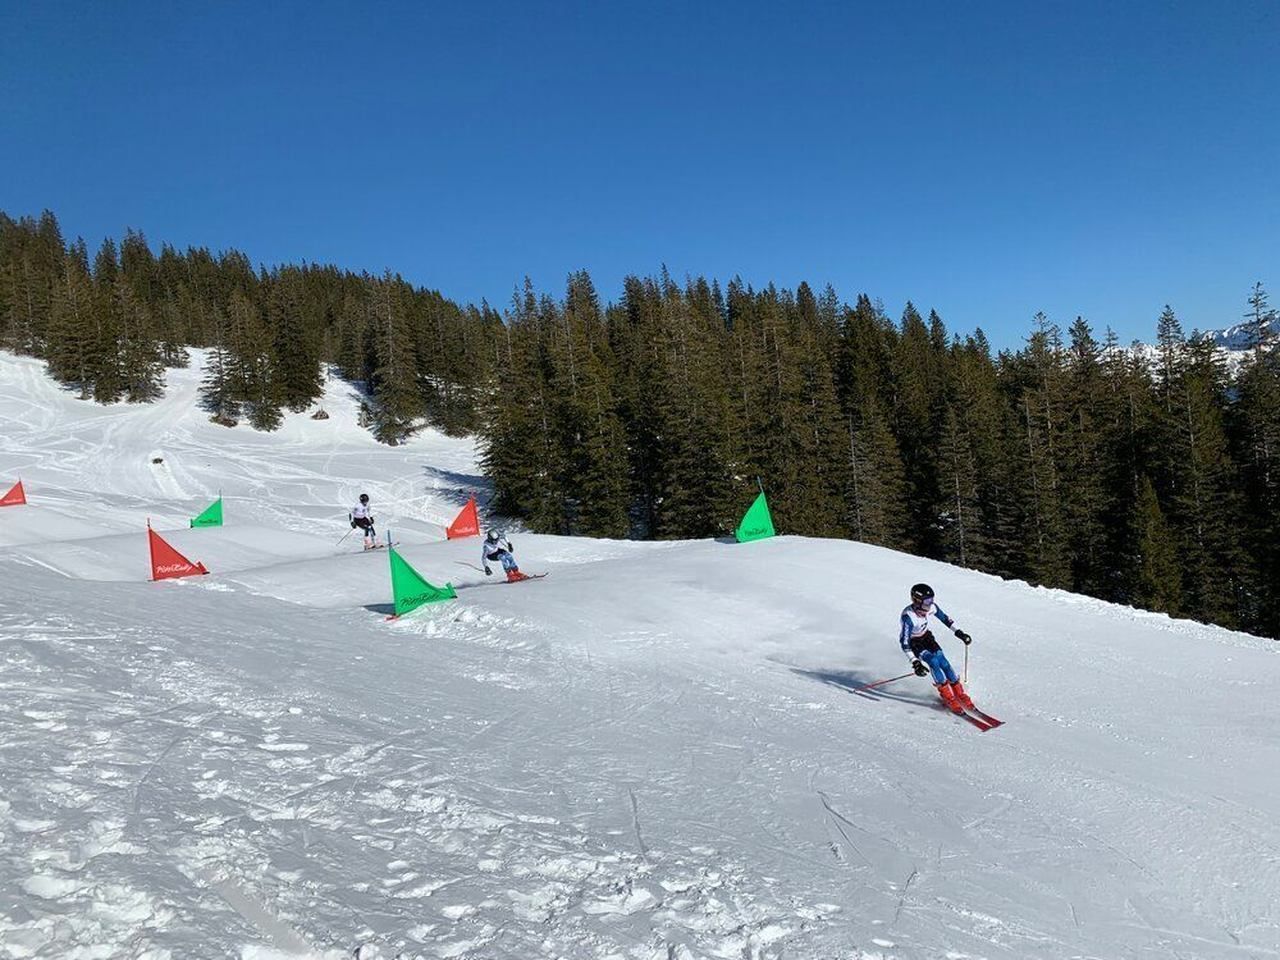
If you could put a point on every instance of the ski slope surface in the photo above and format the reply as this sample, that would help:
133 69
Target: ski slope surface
657 752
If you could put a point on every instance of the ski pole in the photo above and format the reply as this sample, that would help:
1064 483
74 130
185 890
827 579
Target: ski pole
881 683
966 663
344 536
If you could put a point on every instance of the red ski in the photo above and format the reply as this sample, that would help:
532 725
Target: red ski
986 718
980 724
527 576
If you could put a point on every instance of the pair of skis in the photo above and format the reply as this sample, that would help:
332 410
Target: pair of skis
983 721
978 718
527 576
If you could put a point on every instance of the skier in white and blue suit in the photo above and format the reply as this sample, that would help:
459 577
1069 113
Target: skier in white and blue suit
497 548
923 651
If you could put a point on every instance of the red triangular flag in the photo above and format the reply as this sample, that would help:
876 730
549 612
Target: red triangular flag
14 497
467 523
167 562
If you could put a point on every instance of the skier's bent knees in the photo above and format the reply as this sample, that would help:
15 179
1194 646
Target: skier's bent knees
939 666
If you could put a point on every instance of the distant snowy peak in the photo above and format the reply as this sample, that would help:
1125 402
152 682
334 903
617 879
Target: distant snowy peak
1234 343
1240 337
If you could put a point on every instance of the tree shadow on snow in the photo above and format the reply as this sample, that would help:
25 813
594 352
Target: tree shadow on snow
851 681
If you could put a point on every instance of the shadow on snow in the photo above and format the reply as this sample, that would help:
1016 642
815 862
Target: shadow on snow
852 681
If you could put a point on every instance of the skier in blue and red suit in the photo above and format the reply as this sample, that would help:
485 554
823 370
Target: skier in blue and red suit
923 651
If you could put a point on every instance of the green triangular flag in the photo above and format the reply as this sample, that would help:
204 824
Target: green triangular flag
212 516
410 590
757 523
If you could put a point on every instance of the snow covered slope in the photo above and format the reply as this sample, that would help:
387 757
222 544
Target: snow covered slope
653 753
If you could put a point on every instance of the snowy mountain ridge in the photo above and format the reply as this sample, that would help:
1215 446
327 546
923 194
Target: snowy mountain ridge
1239 338
1234 344
660 751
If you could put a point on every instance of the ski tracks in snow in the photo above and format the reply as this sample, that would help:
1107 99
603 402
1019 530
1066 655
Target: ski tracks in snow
277 814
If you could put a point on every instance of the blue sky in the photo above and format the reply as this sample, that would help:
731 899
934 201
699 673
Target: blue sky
988 159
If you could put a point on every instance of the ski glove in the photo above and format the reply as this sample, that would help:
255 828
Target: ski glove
920 669
487 571
964 637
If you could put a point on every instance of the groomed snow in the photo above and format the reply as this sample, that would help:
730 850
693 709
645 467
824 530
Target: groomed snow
654 753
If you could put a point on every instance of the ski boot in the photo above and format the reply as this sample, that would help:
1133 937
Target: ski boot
515 576
958 689
949 698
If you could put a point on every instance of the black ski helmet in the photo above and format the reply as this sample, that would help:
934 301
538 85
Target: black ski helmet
492 536
921 592
364 498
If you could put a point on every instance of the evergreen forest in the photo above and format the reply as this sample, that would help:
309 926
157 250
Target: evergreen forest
1149 476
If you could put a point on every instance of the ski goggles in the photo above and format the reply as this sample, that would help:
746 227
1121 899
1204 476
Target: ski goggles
925 602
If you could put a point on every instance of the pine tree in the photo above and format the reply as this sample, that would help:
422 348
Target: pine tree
1089 413
587 416
399 404
697 454
1040 408
1157 580
177 313
356 357
252 362
103 362
804 465
1130 412
218 393
747 373
1170 345
1256 427
877 483
71 329
140 355
638 337
1262 322
522 445
297 371
1205 505
993 539
864 364
10 240
917 394
35 251
958 509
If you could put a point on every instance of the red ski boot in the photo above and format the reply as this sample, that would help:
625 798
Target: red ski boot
949 698
958 689
515 576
